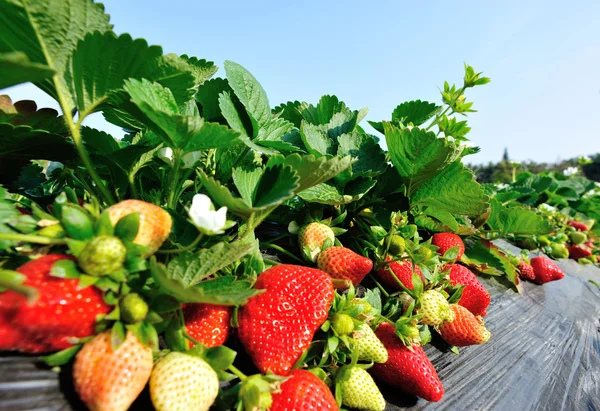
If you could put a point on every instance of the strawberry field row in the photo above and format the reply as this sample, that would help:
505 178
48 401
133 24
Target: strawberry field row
286 253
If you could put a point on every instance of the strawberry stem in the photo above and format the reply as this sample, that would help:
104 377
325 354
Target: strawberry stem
237 372
11 280
183 249
281 250
383 291
38 239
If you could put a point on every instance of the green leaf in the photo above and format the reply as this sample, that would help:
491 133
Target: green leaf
117 335
15 68
444 217
99 141
189 269
25 143
64 269
102 62
232 115
277 184
416 112
127 227
220 357
208 97
223 197
200 68
316 140
326 193
517 220
246 181
211 135
47 32
313 170
224 290
77 222
249 92
370 157
453 190
62 357
418 155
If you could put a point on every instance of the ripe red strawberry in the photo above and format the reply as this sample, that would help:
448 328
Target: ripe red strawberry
311 239
578 225
406 369
545 270
207 323
579 251
108 380
155 223
303 391
475 297
446 241
465 329
344 264
526 271
403 271
62 310
277 326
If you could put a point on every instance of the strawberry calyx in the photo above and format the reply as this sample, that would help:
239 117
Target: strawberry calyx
255 392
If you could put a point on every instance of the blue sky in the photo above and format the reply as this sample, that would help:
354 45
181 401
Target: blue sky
543 57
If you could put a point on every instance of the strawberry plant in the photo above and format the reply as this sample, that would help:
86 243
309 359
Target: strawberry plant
218 221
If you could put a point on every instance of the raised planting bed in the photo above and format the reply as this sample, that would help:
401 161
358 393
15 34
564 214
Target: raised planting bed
544 354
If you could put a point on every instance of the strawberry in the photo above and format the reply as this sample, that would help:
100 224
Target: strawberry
579 251
435 308
474 297
277 326
525 271
578 237
359 390
368 346
545 270
465 329
61 312
311 239
342 324
183 382
344 264
397 245
403 270
303 391
108 379
408 369
155 223
445 241
102 255
578 225
133 308
207 323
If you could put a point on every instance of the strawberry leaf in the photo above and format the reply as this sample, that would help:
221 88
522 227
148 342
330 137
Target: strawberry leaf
15 68
189 269
62 357
127 227
220 357
327 193
249 91
48 32
517 220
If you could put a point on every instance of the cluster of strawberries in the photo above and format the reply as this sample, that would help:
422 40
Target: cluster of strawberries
304 316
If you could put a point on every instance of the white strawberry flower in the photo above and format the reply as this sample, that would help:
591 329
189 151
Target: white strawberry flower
205 218
570 171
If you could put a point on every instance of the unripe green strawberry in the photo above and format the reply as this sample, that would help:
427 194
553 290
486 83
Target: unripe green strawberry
133 308
578 237
559 251
397 245
528 244
359 390
183 382
312 238
544 240
52 231
435 308
368 346
102 255
562 238
425 253
342 324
